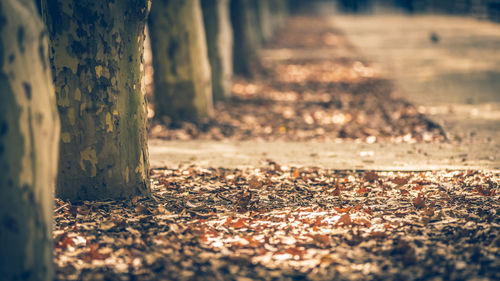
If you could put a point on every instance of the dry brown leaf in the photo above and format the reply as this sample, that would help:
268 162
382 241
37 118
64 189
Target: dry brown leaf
484 192
342 210
370 176
400 181
254 182
238 224
243 201
336 191
419 201
96 254
345 220
322 239
363 222
378 234
362 190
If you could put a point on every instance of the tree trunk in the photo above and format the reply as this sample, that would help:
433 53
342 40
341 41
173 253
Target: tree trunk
182 78
96 57
29 139
265 20
246 37
220 45
279 9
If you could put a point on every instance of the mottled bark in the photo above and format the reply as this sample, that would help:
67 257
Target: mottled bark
219 35
29 138
182 78
96 53
246 37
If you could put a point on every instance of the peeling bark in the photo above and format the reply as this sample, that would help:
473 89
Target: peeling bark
29 138
182 78
220 45
96 53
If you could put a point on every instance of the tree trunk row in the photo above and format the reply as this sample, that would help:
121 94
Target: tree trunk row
100 141
196 52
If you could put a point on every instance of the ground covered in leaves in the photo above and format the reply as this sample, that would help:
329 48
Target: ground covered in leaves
282 223
313 94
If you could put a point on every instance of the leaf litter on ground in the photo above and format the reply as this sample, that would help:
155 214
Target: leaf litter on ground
286 223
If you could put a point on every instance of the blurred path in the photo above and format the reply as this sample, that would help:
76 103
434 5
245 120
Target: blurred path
454 81
448 66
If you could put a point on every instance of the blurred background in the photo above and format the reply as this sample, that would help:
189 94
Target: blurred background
483 9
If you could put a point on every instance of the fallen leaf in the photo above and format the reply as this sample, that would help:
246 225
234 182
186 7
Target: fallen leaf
336 191
400 181
96 254
484 192
238 224
254 182
295 251
243 201
370 176
378 234
65 242
419 201
429 212
362 190
107 225
342 210
362 222
228 221
345 220
322 239
141 209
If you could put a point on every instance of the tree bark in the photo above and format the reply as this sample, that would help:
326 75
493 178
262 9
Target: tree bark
246 37
96 53
219 35
29 138
182 78
265 20
280 12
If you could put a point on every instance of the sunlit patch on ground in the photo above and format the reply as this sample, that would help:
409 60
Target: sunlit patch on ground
281 223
